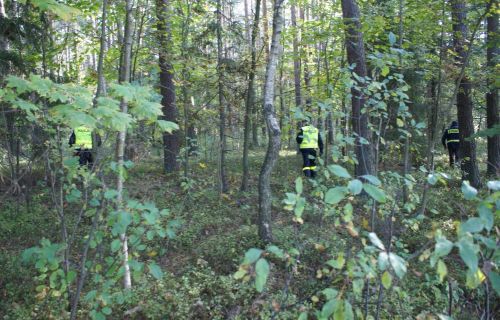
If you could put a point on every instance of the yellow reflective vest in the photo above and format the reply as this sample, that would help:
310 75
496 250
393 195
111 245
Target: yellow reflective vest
309 138
83 138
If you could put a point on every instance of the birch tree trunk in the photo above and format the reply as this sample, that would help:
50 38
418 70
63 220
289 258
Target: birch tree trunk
356 55
120 145
273 128
250 98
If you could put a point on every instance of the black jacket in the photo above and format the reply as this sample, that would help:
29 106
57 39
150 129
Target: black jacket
451 133
300 136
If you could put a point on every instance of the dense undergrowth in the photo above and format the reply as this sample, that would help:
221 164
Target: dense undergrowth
199 263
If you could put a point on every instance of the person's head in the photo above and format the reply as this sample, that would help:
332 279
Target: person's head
454 124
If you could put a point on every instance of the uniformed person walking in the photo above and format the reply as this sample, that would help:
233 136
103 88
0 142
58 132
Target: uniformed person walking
451 141
81 139
309 140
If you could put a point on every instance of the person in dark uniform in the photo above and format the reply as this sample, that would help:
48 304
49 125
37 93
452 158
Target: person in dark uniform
451 141
309 140
81 138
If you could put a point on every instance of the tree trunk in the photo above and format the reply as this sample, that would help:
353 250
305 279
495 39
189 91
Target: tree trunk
265 196
296 59
250 99
464 101
171 141
356 55
305 60
223 184
492 95
120 144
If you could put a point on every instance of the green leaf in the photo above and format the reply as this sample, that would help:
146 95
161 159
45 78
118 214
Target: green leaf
298 185
495 281
441 270
20 84
276 251
299 206
328 308
348 312
155 271
99 316
330 293
146 110
400 123
376 241
392 38
472 225
383 260
494 185
110 194
372 179
375 193
337 263
443 246
355 186
398 264
106 310
252 255
335 195
167 126
468 253
486 216
432 179
115 245
339 171
386 280
261 274
469 191
240 274
385 71
303 316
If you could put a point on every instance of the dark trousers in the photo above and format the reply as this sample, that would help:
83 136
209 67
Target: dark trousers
309 159
453 152
85 157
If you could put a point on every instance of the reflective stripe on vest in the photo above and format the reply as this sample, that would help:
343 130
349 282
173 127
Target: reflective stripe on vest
453 132
83 138
309 138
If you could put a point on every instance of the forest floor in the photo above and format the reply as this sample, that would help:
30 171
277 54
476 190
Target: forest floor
215 232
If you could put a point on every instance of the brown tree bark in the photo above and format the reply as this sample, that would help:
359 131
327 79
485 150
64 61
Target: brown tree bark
296 59
356 55
250 98
171 141
493 119
223 183
464 100
274 132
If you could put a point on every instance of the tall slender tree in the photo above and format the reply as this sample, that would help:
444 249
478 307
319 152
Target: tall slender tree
171 141
464 100
492 53
296 58
273 129
124 77
356 56
223 184
250 98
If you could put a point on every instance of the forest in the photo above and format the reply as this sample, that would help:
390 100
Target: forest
249 159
